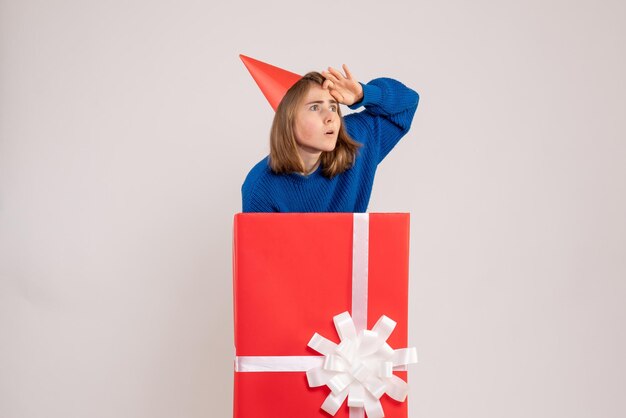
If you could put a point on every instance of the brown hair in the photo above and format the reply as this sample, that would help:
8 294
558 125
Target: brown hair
284 156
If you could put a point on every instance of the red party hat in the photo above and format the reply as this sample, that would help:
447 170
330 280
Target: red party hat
273 81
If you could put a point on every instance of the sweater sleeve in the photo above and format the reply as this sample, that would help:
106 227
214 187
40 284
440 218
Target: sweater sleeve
254 204
256 191
389 109
253 200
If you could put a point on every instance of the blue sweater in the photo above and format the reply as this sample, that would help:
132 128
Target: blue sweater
389 109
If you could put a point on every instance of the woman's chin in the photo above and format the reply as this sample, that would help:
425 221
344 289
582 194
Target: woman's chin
331 146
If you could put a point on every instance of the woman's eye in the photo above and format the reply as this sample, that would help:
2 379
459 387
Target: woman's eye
333 108
314 107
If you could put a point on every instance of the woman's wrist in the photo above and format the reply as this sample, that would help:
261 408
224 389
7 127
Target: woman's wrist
359 95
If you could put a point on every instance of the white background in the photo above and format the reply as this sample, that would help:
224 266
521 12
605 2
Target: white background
127 128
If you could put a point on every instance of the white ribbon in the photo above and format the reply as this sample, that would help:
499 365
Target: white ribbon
277 363
360 265
360 367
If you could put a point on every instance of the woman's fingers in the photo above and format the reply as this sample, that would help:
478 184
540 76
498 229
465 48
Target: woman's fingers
338 96
330 76
347 71
341 87
336 73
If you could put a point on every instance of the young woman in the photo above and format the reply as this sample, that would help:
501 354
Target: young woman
320 161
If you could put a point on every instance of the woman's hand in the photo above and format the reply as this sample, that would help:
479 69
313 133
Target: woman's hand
344 88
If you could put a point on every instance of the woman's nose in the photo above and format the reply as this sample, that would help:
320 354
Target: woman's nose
329 116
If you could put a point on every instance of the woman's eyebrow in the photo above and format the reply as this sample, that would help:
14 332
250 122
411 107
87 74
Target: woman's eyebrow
322 101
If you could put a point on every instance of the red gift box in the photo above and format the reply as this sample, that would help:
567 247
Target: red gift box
292 275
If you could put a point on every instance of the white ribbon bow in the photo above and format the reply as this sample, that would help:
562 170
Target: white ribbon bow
360 367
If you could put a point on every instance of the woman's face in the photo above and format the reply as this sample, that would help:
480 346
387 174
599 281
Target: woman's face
317 121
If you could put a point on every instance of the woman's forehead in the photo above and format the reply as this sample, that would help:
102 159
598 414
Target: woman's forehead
316 93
